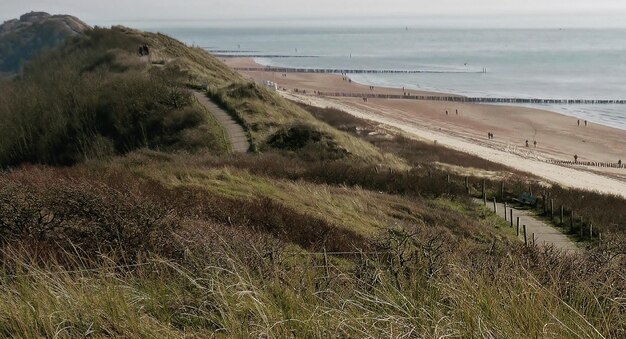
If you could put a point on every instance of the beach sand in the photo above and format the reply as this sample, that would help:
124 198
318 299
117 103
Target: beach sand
558 136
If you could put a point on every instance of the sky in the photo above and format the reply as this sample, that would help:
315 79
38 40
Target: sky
500 13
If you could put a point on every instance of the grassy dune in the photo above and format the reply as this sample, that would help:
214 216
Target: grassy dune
193 261
326 231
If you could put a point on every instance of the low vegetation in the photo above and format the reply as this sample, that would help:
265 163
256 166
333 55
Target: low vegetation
94 98
333 227
604 212
184 261
266 116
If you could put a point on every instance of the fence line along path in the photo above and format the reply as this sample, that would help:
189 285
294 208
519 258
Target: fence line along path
236 135
544 234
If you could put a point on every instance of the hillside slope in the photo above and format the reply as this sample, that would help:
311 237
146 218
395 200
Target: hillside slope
23 38
95 97
271 121
122 214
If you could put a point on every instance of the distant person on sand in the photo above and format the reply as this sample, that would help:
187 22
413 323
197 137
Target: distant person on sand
527 143
535 142
619 163
576 158
446 112
578 122
585 123
457 112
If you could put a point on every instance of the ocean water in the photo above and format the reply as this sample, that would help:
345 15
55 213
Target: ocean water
532 63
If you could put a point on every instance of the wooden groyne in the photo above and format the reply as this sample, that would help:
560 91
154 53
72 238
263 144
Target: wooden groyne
588 163
228 50
345 71
463 99
273 56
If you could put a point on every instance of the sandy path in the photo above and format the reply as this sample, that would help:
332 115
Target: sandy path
536 230
570 177
236 135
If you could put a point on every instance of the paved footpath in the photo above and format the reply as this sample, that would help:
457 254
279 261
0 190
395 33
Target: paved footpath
236 134
544 234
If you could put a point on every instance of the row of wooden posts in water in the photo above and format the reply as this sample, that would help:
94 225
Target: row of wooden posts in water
463 99
588 163
345 71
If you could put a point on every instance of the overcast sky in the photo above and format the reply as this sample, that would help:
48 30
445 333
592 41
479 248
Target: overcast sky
596 13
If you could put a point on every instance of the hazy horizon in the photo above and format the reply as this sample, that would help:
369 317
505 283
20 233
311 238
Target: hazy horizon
272 13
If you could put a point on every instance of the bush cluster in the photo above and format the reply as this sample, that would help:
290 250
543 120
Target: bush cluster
94 98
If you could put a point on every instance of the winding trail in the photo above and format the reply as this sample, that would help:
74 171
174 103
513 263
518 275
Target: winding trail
536 230
236 134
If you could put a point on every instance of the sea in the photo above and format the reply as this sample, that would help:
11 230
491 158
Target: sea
521 63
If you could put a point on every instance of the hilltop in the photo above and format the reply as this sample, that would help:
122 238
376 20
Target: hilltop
125 212
21 39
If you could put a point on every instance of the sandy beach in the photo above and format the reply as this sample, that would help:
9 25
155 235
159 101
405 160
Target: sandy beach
558 137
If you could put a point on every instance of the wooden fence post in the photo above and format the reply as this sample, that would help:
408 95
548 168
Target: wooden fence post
561 216
505 219
511 216
502 191
484 194
495 207
448 178
582 229
518 227
326 269
552 210
525 236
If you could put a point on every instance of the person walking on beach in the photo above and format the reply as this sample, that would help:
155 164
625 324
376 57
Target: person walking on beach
527 143
585 123
576 158
446 112
535 142
578 122
457 112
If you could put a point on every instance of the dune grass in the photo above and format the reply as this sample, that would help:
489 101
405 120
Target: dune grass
289 242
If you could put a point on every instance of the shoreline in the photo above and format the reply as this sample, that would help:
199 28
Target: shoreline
547 106
559 137
562 175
